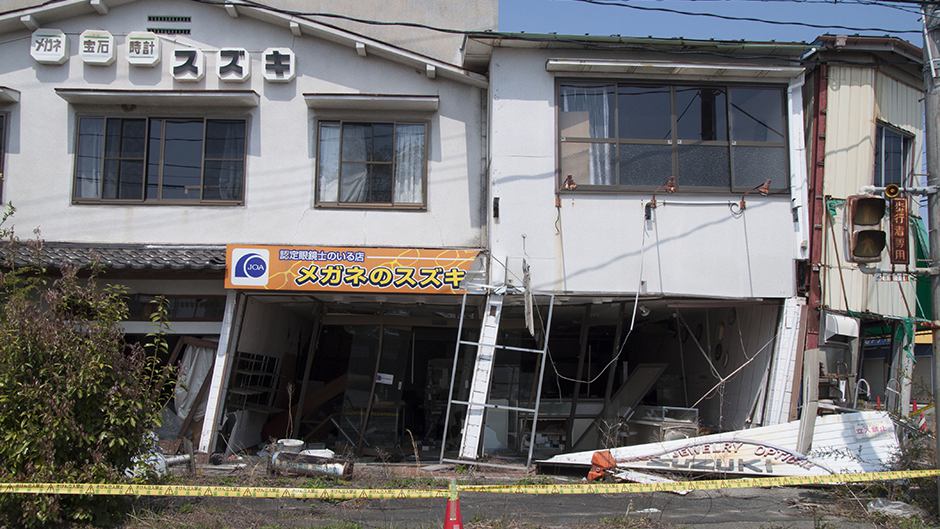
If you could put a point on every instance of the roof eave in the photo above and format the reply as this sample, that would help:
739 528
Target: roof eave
23 19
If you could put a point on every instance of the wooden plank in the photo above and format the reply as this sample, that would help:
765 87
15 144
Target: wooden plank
235 306
637 385
305 383
582 352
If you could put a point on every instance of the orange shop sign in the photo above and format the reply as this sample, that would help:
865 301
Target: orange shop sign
347 269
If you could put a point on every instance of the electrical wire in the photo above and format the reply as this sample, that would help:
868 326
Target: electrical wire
745 19
871 3
582 42
623 343
701 349
722 381
320 14
265 7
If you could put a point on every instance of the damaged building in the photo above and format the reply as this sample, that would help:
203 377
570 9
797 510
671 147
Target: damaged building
491 248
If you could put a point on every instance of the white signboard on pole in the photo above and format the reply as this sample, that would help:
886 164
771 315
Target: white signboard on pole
49 46
96 47
143 48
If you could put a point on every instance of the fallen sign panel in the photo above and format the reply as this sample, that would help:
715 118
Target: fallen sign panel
847 443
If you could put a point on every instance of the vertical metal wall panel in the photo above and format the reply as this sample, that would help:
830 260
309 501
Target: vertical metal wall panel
783 366
858 98
756 330
901 105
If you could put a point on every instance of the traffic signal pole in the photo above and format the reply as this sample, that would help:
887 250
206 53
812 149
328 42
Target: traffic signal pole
932 144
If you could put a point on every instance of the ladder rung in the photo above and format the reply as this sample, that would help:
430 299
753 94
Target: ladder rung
505 347
477 463
494 406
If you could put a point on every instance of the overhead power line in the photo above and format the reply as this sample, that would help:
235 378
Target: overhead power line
745 19
252 4
369 21
841 3
319 14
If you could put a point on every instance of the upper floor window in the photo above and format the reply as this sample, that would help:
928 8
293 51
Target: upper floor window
371 164
164 160
893 162
638 136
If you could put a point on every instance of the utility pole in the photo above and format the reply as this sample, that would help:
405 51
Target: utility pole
932 144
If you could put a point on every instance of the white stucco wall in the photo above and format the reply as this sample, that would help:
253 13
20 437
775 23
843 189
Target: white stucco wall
279 196
479 15
694 245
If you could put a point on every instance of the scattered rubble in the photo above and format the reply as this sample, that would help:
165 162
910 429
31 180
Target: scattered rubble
308 465
896 509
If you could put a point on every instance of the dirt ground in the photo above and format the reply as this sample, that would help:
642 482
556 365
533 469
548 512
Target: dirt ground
777 508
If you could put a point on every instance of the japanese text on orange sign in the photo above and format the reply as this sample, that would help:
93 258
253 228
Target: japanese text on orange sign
339 269
899 231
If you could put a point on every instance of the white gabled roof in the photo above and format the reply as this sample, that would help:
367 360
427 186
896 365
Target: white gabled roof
31 18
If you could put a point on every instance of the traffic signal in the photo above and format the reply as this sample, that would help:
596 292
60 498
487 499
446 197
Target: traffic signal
866 236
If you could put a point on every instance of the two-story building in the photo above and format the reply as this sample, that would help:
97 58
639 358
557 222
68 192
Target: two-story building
655 187
658 193
499 244
345 173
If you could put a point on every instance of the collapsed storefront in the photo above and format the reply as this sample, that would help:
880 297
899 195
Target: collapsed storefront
376 370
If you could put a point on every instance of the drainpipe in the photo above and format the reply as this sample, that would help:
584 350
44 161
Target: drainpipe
485 188
817 208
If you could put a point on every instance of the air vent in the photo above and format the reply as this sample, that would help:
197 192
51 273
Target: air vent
167 18
169 31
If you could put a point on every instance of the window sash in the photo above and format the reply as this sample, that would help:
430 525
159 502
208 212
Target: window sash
733 182
153 163
367 162
119 159
906 168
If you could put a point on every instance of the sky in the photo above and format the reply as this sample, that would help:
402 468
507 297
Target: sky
577 17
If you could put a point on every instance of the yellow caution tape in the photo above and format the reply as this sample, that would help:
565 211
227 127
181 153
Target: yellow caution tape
113 489
714 484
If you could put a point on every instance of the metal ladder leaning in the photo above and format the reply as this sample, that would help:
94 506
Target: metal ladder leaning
486 347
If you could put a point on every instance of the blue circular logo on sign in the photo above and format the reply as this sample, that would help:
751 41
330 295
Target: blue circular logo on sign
251 265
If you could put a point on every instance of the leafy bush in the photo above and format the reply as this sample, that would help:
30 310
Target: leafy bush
76 402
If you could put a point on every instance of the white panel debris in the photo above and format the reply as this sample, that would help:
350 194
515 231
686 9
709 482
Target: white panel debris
852 442
780 390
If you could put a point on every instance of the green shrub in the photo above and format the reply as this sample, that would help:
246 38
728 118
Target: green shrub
76 402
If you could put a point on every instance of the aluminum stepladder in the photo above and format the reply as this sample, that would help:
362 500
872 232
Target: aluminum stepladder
477 404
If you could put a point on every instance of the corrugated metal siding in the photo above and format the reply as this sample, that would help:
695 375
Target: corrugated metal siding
858 98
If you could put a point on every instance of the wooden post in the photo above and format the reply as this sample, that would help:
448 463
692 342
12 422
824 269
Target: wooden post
305 383
618 335
585 330
235 308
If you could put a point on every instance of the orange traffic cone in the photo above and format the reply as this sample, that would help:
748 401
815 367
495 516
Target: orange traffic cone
452 519
922 421
601 462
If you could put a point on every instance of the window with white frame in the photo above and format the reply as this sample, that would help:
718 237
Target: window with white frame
371 164
631 136
160 160
893 162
